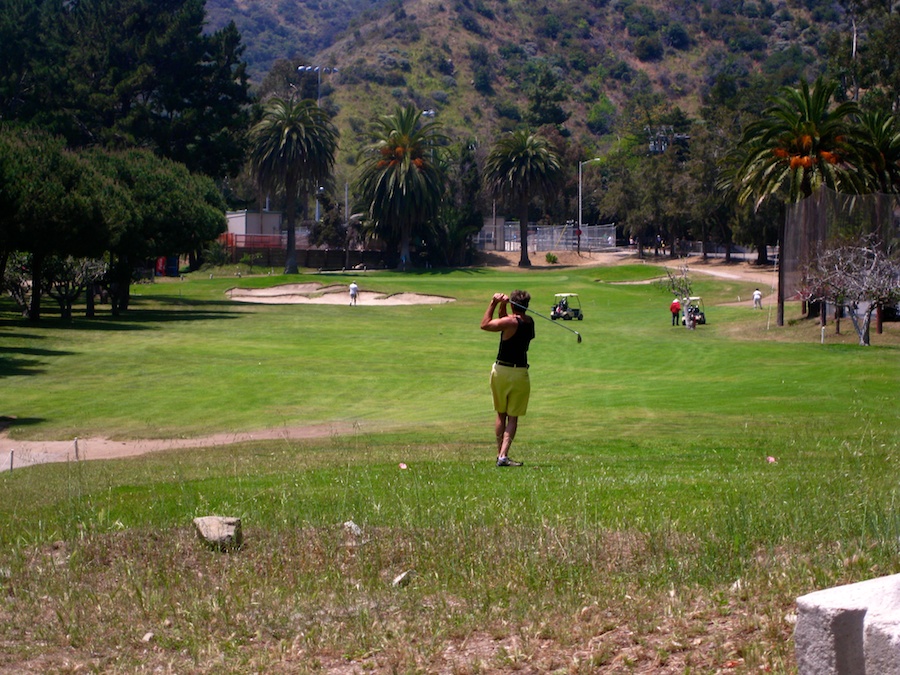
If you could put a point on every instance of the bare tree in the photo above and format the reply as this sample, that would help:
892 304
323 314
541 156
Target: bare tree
859 276
680 286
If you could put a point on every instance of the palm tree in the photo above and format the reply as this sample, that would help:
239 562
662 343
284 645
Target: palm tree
881 150
292 150
401 176
800 143
522 165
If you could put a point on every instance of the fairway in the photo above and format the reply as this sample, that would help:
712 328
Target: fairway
680 488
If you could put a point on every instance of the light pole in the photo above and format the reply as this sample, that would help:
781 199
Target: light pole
318 70
580 199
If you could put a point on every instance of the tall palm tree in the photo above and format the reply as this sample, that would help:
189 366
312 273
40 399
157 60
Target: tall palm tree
522 165
800 143
292 150
401 175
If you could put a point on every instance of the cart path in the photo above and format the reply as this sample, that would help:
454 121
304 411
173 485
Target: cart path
22 453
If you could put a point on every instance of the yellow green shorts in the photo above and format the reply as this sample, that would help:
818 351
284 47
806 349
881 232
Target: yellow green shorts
511 389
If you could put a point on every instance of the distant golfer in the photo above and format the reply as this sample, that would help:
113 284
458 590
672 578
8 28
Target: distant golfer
510 385
354 293
675 308
757 299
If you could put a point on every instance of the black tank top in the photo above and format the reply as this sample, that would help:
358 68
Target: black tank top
515 349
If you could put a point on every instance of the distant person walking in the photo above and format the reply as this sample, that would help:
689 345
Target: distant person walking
354 293
675 308
510 384
757 299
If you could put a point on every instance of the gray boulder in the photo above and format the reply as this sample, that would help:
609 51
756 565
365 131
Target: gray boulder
220 533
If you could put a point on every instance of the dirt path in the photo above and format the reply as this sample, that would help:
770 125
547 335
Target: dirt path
21 453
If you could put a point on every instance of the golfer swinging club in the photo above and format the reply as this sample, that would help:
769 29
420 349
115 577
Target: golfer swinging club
510 386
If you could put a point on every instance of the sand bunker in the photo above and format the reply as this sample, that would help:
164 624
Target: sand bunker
316 294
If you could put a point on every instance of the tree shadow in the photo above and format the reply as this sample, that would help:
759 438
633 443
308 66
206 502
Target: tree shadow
177 310
7 422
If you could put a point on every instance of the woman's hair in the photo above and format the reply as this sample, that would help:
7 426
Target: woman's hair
520 298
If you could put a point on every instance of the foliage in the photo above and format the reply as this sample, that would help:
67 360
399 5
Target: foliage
17 280
171 212
459 220
214 255
520 166
401 176
67 278
292 152
133 73
880 150
331 228
800 142
648 48
857 275
53 202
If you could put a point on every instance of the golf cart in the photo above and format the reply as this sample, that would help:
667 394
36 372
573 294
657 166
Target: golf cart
567 307
694 310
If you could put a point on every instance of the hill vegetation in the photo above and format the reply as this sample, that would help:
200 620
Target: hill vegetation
593 67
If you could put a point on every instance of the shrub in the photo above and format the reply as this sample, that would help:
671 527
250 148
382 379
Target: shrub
470 23
482 80
648 48
601 117
479 55
551 258
508 110
621 71
677 36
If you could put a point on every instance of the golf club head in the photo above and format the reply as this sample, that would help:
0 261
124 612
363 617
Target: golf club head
579 337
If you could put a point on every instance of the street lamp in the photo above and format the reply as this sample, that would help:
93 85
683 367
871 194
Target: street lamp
580 165
318 70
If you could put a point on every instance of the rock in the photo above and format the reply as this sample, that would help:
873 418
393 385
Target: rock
221 533
352 529
402 580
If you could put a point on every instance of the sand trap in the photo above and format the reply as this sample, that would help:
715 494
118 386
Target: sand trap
316 294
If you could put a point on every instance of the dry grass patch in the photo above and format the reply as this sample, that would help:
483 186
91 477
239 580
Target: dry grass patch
313 601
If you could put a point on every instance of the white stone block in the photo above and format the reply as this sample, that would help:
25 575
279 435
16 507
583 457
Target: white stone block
850 630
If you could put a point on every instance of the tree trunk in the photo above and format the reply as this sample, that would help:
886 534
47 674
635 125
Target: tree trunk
524 261
779 321
405 236
290 260
37 269
89 300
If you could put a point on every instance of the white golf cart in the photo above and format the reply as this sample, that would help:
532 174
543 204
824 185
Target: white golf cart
567 306
694 311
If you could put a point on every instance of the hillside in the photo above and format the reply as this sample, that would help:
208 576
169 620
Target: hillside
484 66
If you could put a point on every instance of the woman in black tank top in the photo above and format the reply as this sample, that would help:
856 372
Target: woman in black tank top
510 384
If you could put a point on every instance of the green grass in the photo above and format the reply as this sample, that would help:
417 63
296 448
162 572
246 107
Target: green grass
646 530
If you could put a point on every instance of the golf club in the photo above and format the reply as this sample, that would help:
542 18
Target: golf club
548 319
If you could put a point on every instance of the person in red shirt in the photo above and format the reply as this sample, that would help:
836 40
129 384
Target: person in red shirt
675 308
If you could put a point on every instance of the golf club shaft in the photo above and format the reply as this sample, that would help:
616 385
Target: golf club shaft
516 304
